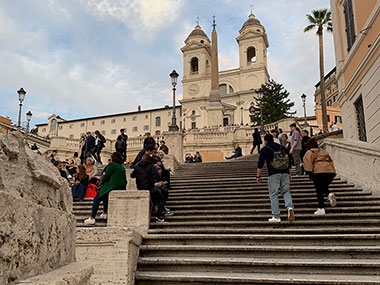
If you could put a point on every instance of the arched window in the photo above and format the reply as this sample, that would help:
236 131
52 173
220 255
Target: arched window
194 65
231 90
223 89
251 55
158 121
53 125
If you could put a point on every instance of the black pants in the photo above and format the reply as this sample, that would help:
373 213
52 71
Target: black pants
97 154
96 202
321 183
159 200
254 146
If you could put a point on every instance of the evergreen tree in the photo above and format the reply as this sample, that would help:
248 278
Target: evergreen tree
275 103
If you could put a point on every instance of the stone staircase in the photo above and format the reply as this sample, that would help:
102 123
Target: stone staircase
219 233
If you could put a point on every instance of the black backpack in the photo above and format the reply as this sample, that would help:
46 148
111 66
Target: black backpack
280 159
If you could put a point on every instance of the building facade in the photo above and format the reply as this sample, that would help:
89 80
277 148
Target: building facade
134 124
5 125
356 28
334 113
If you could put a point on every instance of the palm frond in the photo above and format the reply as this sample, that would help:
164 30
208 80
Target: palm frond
329 27
311 19
309 28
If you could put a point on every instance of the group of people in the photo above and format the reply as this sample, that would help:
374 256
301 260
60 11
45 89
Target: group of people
307 157
196 158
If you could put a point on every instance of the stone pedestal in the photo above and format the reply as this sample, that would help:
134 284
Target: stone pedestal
174 141
169 161
130 208
215 114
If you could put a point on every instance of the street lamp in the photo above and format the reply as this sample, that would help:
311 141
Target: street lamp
260 93
303 97
174 76
28 118
241 115
21 97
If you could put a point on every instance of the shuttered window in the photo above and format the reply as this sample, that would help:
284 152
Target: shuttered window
350 24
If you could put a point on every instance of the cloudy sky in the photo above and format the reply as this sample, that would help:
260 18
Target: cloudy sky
80 58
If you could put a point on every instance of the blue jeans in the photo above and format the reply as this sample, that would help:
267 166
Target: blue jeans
276 181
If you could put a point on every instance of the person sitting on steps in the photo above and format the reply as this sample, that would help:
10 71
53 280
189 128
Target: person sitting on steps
237 152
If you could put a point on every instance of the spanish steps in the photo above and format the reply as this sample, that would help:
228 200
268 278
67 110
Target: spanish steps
220 234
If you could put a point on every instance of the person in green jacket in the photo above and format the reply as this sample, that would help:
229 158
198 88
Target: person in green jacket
113 179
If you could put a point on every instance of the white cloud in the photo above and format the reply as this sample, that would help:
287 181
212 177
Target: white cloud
229 60
142 17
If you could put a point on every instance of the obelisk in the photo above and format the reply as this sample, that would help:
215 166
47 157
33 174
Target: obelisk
215 108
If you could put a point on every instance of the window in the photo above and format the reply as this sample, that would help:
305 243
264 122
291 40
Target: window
53 125
335 98
225 122
193 112
134 118
350 24
194 65
193 125
103 133
146 128
81 125
71 136
158 121
158 133
146 116
231 90
44 130
328 118
338 119
93 123
329 103
134 129
360 119
71 126
113 121
124 119
113 132
223 89
102 122
60 127
251 55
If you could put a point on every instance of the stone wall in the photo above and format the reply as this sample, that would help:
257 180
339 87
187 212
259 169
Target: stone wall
358 162
37 228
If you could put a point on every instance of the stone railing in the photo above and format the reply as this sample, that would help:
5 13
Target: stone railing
356 161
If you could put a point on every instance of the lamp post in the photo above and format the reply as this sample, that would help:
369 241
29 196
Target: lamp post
260 93
241 116
174 76
28 118
21 97
305 123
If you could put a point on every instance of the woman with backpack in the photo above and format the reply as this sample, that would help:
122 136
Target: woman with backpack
320 167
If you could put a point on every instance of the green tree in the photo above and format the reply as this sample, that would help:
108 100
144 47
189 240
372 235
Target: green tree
275 104
320 19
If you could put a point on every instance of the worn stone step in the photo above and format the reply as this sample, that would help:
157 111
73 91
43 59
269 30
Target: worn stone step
267 265
265 224
251 186
269 231
285 239
275 251
198 278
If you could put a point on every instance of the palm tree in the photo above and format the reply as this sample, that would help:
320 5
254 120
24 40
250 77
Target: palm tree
321 19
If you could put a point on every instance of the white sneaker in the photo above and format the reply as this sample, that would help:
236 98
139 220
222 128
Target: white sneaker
320 212
89 221
332 199
274 220
103 216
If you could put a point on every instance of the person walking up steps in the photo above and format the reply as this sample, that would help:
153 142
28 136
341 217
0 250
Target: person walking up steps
278 165
319 165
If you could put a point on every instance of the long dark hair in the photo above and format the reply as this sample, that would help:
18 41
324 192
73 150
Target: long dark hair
311 143
82 172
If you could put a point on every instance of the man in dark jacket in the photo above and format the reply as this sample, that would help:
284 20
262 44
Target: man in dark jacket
164 147
89 145
125 138
276 179
304 138
148 141
256 140
100 141
237 152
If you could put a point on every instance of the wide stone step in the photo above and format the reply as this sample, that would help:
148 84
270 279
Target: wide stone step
255 265
285 239
270 231
275 251
178 277
316 224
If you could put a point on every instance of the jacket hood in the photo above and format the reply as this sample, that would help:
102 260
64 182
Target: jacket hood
320 152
